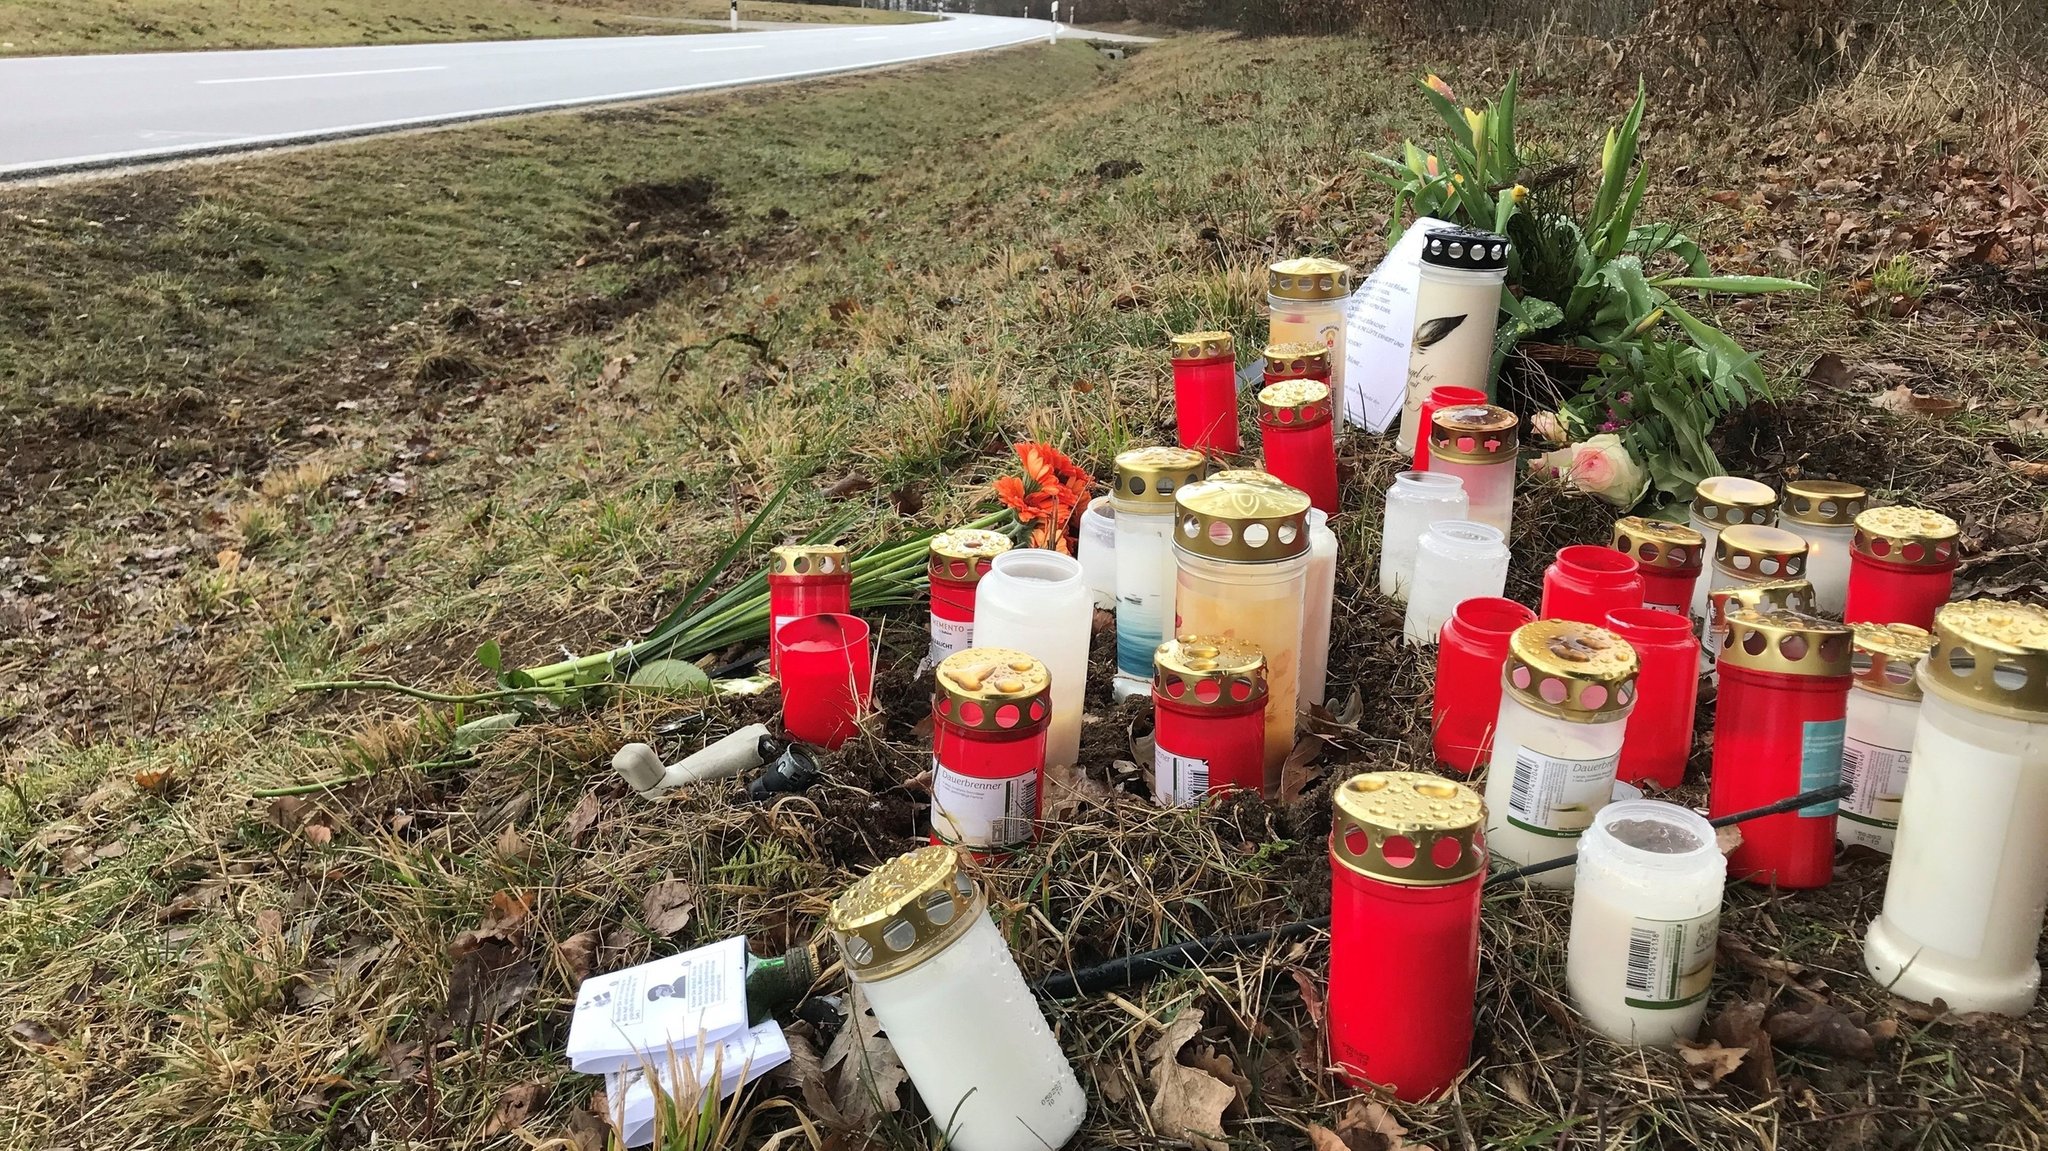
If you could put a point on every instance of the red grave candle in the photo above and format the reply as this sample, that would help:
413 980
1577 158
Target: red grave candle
1407 861
1668 556
1469 656
1205 392
1299 437
1587 581
990 710
1446 396
1779 719
1209 717
959 558
805 579
1659 737
1902 566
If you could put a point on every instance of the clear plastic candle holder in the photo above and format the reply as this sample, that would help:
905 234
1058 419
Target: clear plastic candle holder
1969 875
1415 500
1587 581
1205 392
1902 566
1457 560
805 579
1447 396
1318 611
1668 556
1465 703
1667 693
1823 513
990 711
1209 717
1298 439
1146 480
1779 719
1306 304
1567 691
1096 549
958 560
1457 307
1721 502
1034 601
1478 444
916 937
1646 913
1877 749
1407 863
1241 549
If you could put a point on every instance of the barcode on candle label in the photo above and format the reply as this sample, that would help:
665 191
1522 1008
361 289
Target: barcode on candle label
1670 962
1556 796
1179 780
949 637
978 812
1877 784
1820 762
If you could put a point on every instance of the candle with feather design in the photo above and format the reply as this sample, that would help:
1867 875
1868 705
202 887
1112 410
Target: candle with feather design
1457 304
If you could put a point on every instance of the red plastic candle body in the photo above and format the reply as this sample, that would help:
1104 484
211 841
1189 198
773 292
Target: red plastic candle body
1469 656
1209 715
1299 435
828 675
1902 566
1778 725
1587 581
1405 878
990 711
1668 556
1659 736
805 579
1447 396
1205 392
959 558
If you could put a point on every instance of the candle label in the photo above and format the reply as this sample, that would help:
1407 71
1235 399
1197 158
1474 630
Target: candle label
978 812
1820 762
1179 780
949 637
1877 783
1670 962
1558 797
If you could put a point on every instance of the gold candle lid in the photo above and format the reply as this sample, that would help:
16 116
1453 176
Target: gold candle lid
1784 641
1909 537
962 555
1724 500
1823 503
1753 552
903 912
1295 403
992 689
1660 544
1571 670
1793 594
1408 828
805 560
1297 361
1147 478
1991 655
1242 516
1474 434
1205 671
1309 278
1884 657
1203 346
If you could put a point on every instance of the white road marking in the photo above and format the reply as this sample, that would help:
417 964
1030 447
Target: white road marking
324 75
731 48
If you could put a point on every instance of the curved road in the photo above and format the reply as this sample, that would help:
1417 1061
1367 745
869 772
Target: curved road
61 113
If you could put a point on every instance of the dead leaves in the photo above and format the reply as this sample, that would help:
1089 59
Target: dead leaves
515 1107
492 974
667 906
1187 1102
583 819
1824 1028
1366 1125
1297 774
578 955
1710 1061
1904 400
861 1065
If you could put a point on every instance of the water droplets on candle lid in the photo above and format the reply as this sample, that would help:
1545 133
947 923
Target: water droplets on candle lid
992 689
903 912
1297 402
1571 670
1992 655
1203 346
1474 433
1905 536
1200 671
1466 248
1408 828
1784 641
1724 500
1823 503
1659 543
1885 657
962 555
1309 278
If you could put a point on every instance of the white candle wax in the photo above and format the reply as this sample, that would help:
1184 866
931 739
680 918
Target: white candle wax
1877 750
1034 601
1457 560
1546 781
1097 552
1316 615
1827 562
1415 500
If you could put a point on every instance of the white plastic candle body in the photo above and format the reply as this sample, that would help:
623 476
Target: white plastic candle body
1827 562
1034 601
1719 502
1097 552
1315 620
1969 876
1144 595
1877 751
1547 780
1415 500
1489 489
1455 314
1646 910
1458 560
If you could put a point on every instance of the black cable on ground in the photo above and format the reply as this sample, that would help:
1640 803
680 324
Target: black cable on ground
1128 969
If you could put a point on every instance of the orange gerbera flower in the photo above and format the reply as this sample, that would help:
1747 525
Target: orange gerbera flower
1046 496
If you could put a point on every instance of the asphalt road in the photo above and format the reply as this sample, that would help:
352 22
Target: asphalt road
61 113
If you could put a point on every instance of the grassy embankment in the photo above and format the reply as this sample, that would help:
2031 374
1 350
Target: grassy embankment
355 410
50 27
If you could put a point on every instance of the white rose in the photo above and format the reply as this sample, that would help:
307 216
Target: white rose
1600 467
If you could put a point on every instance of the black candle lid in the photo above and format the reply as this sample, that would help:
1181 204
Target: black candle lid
1467 248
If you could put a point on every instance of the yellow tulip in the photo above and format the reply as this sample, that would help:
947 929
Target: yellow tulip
1519 193
1608 150
1436 84
1647 322
1475 120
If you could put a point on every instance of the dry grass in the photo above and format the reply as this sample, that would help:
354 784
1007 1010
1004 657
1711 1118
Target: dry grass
924 266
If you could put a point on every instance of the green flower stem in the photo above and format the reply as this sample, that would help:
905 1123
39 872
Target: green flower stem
392 685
